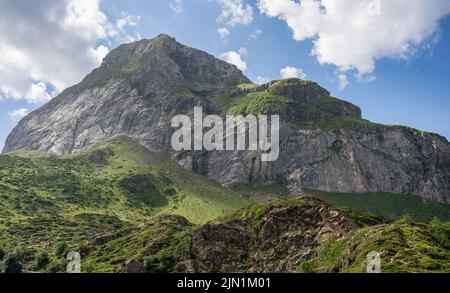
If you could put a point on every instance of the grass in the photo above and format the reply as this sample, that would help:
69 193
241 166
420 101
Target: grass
255 192
387 205
404 248
260 103
336 123
247 86
47 200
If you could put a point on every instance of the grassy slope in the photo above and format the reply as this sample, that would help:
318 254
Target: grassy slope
388 205
46 200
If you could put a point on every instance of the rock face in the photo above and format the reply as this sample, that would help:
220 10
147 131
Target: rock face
324 142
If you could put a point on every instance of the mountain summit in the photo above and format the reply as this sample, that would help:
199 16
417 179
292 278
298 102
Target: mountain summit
324 142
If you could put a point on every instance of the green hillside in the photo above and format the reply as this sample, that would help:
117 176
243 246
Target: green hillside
388 205
46 200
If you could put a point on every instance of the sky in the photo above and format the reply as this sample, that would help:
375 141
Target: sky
390 57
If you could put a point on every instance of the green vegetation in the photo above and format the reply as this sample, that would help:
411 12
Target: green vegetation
49 200
290 82
164 244
261 193
248 86
10 265
327 256
403 248
156 245
118 202
337 123
389 206
41 260
260 103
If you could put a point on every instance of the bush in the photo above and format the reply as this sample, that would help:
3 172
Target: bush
2 254
154 264
439 232
41 260
61 250
406 219
11 265
306 267
330 252
83 249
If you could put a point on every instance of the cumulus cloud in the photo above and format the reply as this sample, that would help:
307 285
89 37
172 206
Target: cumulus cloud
352 35
235 12
18 114
176 6
53 44
224 33
235 59
292 72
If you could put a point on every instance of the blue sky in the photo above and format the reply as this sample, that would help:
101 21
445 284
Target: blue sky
404 86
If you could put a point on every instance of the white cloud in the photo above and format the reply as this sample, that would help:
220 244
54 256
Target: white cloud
38 93
292 72
127 19
235 12
224 33
176 6
243 51
354 34
18 114
53 44
235 59
98 53
255 35
261 80
342 81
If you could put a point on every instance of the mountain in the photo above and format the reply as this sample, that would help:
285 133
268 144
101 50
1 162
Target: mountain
325 144
128 209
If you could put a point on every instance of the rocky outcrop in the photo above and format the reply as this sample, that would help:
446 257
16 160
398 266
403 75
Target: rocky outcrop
325 144
277 242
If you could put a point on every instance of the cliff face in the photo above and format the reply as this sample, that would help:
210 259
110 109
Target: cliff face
323 140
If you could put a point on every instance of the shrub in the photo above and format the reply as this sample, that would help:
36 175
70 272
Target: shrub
406 219
83 249
439 232
2 254
330 252
154 264
11 265
61 250
306 266
41 260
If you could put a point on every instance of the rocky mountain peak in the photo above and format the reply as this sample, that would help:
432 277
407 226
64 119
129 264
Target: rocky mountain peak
324 142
